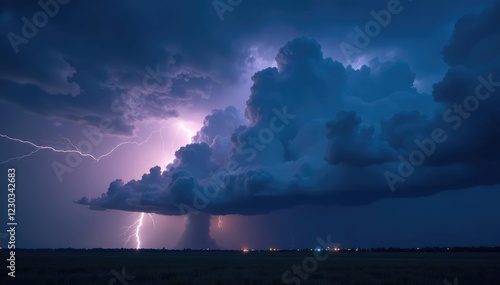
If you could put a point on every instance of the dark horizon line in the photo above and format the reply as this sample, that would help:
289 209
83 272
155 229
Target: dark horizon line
349 249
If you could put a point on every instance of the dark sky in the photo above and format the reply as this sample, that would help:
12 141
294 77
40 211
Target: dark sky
271 123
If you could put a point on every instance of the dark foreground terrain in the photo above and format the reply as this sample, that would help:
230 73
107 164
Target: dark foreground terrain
259 268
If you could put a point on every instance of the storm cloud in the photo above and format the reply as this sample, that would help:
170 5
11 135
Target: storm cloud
313 136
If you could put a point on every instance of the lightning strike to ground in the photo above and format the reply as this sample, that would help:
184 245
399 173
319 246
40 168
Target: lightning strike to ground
139 222
138 231
134 230
131 230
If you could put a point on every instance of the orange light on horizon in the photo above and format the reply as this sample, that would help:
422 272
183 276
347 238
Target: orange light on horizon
246 250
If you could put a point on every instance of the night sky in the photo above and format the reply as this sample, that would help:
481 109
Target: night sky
251 123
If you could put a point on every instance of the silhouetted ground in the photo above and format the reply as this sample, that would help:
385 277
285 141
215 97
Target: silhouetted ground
259 268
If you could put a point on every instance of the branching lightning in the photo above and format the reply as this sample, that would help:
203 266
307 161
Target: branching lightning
75 149
69 142
138 223
19 157
152 220
180 126
134 230
39 147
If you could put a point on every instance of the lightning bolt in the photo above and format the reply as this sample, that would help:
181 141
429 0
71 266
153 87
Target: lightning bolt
219 222
19 157
69 142
138 231
40 147
171 148
75 149
132 142
175 138
180 127
163 144
134 230
152 220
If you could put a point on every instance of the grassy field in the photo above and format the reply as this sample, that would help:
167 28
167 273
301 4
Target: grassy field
259 268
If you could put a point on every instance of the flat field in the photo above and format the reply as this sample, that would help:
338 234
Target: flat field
259 268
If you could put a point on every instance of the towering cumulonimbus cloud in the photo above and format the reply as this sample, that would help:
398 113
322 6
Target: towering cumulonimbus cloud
315 135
